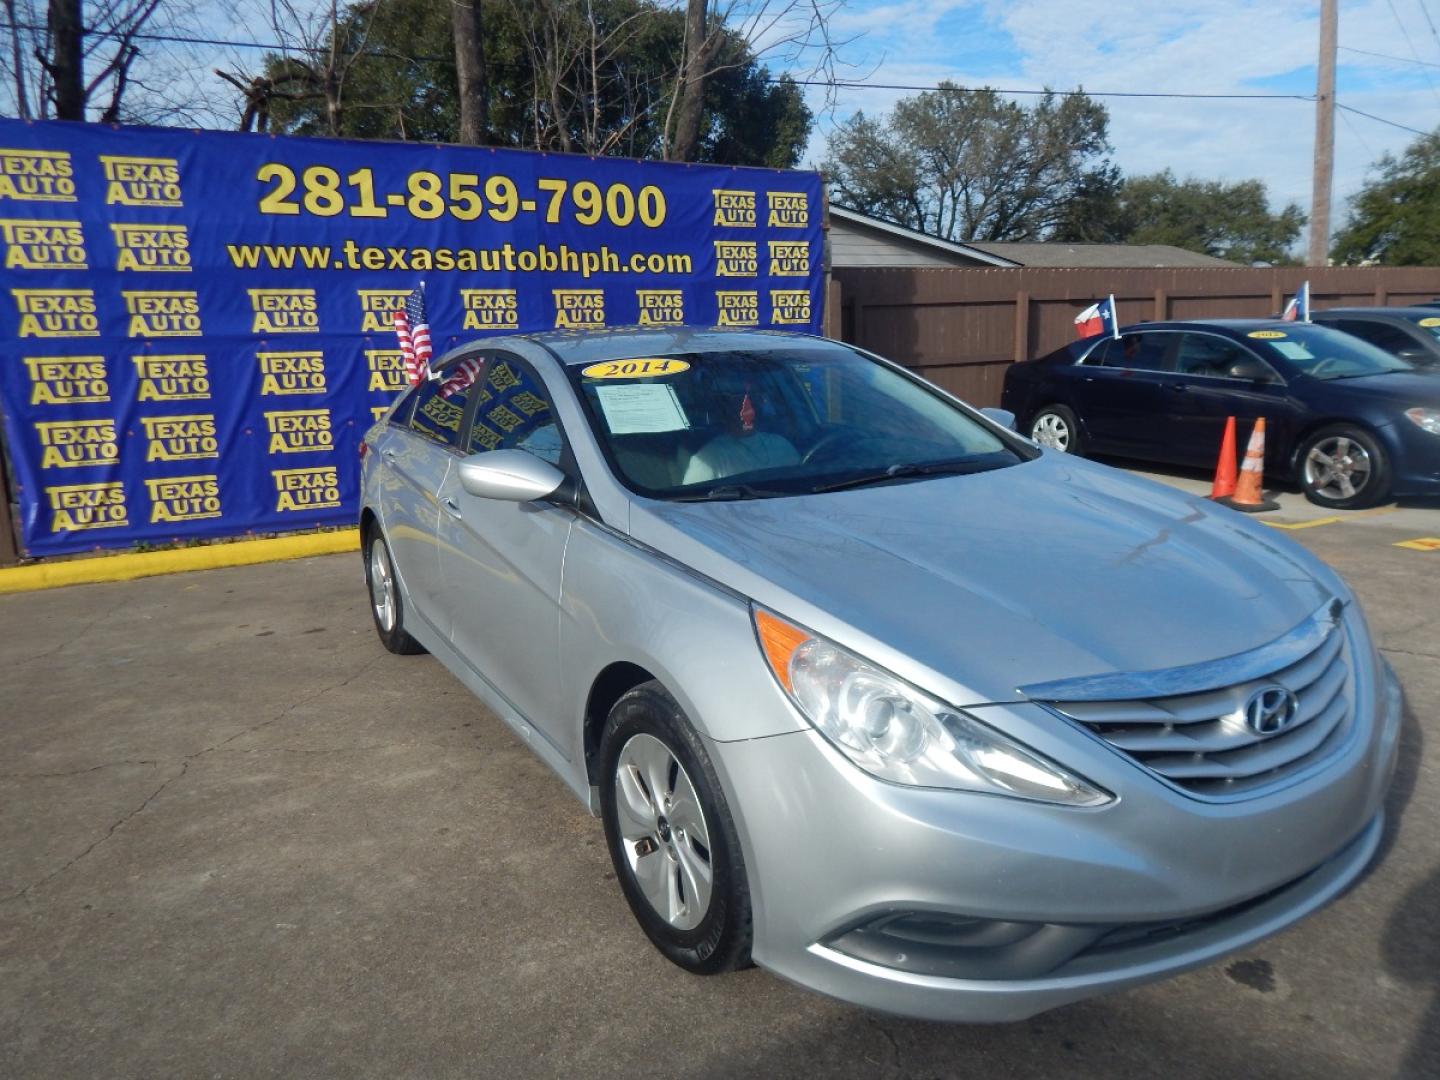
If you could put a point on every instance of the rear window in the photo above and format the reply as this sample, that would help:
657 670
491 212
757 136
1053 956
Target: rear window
1140 351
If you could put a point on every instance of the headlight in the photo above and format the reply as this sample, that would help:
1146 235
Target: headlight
897 733
1429 419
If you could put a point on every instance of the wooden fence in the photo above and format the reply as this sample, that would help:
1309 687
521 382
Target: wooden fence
962 328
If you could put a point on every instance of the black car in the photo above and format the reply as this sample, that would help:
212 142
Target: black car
1411 333
1349 423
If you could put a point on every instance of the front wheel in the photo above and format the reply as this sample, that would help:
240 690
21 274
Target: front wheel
672 841
1056 427
1344 467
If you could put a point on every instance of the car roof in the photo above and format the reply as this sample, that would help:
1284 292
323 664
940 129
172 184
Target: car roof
1237 325
624 342
1405 313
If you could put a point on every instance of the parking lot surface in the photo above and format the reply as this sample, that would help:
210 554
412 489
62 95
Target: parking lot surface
238 839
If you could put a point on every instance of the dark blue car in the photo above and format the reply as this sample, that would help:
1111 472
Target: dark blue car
1350 424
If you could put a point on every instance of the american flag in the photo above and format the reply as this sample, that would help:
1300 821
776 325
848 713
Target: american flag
412 327
464 375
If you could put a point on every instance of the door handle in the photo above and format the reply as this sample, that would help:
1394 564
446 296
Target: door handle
451 506
1180 388
388 454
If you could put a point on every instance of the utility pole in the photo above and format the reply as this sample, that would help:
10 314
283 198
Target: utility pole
1324 137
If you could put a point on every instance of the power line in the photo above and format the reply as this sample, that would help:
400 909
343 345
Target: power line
838 84
1424 10
1354 130
1405 32
843 84
1388 56
1381 119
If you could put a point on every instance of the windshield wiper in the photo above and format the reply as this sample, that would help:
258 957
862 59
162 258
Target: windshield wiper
730 493
910 468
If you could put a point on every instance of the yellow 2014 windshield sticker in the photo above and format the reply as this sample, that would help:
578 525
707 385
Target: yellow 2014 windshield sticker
1430 322
1266 335
643 368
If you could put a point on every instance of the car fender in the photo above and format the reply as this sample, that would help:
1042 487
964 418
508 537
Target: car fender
623 602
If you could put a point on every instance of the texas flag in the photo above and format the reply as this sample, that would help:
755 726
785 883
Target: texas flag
1098 318
1298 309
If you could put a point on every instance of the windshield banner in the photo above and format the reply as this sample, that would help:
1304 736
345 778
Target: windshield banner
197 326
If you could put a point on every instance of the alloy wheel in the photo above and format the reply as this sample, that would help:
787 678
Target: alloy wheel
666 841
1337 467
382 587
1052 431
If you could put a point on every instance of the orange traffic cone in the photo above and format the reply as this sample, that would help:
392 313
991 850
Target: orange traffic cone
1224 485
1249 496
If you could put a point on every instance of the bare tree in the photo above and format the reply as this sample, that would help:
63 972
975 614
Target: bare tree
787 32
575 73
467 22
319 49
76 58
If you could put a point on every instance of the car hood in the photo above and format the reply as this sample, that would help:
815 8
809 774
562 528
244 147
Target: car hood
1052 569
1405 388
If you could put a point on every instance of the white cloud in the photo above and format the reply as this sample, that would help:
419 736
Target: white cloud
1205 46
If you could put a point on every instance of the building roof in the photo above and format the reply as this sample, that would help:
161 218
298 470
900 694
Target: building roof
933 250
1109 256
945 250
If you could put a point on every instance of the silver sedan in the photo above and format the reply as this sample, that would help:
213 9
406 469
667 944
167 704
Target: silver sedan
866 688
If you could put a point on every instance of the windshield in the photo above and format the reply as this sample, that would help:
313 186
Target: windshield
1323 353
1426 320
786 420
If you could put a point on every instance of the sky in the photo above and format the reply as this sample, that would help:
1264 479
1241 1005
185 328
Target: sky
1202 46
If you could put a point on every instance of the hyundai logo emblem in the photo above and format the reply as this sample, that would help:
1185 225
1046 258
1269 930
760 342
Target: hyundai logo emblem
1271 710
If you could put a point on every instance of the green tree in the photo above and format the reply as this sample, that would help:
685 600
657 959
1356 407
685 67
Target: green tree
970 165
594 77
1228 220
1395 218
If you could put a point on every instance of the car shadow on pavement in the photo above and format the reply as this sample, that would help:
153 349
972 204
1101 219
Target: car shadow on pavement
1411 951
1410 948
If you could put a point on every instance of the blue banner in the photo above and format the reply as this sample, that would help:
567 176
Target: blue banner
196 326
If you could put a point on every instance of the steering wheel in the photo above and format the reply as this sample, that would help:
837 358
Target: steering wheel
825 442
1328 362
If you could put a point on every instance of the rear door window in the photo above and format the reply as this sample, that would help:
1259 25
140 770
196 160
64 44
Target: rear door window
1144 351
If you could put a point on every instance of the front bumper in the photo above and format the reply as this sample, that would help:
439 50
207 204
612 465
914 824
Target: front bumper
1416 457
829 848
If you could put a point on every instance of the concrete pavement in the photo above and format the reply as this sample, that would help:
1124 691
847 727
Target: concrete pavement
238 839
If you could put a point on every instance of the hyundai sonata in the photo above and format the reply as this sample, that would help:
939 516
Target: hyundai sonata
867 688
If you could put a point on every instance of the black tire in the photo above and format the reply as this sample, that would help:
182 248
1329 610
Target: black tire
393 636
720 939
1343 467
1060 428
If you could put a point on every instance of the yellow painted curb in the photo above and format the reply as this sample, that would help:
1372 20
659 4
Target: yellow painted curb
150 563
1302 524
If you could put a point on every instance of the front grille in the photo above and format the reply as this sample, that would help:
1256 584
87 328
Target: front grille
1200 741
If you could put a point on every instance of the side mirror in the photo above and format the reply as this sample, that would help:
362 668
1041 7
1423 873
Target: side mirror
1004 417
512 475
1250 371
